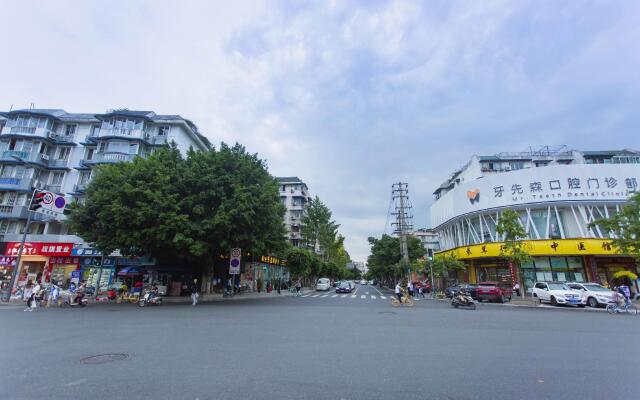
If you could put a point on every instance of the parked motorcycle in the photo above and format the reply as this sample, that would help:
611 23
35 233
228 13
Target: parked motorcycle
463 299
79 301
150 297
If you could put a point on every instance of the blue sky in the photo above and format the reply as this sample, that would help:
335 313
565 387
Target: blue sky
349 96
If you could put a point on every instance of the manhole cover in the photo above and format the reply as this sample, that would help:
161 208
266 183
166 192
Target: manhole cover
104 358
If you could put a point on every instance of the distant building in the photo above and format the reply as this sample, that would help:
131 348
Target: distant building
428 238
294 194
359 265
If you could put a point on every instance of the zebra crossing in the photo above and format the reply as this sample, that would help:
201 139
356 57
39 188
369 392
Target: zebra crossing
355 296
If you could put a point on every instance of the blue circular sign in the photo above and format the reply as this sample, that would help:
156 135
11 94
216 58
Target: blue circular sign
235 262
60 202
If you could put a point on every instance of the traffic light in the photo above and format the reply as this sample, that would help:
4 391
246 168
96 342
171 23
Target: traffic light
430 255
37 200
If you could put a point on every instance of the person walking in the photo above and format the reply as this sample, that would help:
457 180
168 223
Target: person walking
516 288
411 288
27 295
298 287
398 291
194 292
54 294
36 295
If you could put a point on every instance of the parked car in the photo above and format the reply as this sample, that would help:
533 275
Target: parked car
596 294
371 282
558 293
494 291
323 284
344 287
452 290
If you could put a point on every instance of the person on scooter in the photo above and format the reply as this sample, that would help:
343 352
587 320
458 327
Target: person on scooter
461 296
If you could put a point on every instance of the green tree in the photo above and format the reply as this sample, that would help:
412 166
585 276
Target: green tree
625 226
318 229
443 264
183 210
299 261
385 259
510 228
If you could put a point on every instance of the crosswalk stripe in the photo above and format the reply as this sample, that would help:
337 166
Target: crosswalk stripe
344 295
315 295
363 297
325 295
373 297
382 297
353 296
306 295
335 295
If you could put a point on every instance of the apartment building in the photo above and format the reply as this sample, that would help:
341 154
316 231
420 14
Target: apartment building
294 194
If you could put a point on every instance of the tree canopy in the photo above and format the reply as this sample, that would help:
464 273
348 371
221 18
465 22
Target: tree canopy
384 261
183 210
511 229
625 226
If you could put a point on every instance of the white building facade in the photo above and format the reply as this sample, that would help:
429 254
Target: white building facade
558 193
294 195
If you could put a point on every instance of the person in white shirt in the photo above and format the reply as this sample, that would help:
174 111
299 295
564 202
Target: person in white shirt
399 292
27 295
36 293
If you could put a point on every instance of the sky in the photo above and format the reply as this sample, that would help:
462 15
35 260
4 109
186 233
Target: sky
350 96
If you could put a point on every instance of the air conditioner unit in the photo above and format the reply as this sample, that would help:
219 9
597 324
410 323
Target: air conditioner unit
44 156
51 135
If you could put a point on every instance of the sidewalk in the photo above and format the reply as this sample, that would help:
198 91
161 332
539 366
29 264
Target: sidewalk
206 298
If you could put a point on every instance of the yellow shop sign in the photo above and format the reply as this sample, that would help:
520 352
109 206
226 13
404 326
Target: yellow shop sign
537 248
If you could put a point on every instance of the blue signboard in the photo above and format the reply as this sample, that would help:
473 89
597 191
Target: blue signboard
85 252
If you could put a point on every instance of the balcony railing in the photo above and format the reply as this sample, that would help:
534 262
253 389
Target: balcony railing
120 132
18 212
33 157
38 132
16 183
110 158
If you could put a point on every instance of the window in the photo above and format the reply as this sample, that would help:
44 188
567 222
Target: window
163 130
63 153
56 178
12 144
133 148
541 286
43 148
89 154
70 130
85 177
102 147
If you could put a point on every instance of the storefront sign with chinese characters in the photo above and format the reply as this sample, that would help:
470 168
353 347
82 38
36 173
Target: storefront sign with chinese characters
39 249
64 260
559 183
560 247
272 260
5 261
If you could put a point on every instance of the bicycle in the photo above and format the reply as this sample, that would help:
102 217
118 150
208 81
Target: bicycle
629 308
407 301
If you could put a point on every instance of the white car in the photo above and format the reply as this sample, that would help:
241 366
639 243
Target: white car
596 294
323 284
363 282
558 293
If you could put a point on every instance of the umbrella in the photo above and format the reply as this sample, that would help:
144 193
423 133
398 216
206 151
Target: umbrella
129 271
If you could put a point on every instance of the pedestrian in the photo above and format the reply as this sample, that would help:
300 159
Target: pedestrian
410 289
194 292
27 295
298 287
398 291
36 295
421 290
516 288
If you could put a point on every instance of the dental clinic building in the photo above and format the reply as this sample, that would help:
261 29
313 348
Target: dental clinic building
557 193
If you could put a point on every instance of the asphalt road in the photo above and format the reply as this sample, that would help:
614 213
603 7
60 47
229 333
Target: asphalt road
318 348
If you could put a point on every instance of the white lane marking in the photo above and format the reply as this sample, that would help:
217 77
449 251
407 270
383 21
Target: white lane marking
75 383
374 288
344 295
366 292
315 295
363 297
356 292
325 295
382 297
373 297
306 295
353 296
335 295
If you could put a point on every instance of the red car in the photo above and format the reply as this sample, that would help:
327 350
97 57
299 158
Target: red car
494 291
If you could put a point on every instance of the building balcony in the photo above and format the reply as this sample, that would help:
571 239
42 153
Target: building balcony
40 133
122 133
19 212
108 158
80 187
17 184
43 160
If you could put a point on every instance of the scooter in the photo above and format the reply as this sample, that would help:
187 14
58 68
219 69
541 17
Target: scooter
147 299
79 301
462 299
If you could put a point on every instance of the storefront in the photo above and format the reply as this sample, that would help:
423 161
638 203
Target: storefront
7 265
40 261
558 260
270 271
61 269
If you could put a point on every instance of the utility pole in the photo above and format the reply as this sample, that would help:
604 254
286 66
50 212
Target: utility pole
403 224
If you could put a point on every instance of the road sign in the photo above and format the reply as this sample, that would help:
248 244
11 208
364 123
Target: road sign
234 262
47 198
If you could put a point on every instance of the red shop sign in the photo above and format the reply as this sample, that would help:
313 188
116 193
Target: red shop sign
39 249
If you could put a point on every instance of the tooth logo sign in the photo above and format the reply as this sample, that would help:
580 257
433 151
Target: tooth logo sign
473 195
